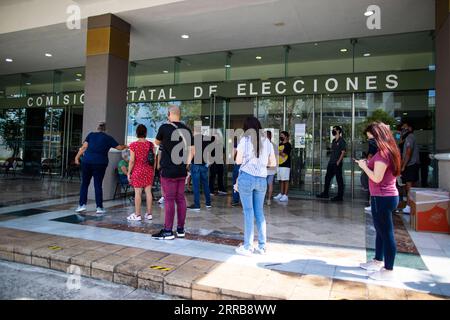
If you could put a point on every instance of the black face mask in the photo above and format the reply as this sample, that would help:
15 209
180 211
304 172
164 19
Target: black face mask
281 139
334 132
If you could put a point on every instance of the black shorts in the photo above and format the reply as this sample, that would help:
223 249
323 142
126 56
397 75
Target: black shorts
411 173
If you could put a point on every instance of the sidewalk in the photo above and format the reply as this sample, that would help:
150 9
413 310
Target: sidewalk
204 264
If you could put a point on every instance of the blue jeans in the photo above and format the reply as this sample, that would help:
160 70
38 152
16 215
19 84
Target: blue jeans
97 171
236 168
199 174
123 179
382 208
252 191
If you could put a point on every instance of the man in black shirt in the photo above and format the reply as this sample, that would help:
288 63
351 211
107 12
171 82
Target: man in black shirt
338 150
199 170
176 155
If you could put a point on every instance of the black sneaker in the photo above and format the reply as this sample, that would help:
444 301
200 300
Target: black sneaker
163 235
235 204
193 208
208 206
337 198
180 233
322 196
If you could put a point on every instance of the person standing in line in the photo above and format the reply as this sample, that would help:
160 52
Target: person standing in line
141 173
122 167
270 173
235 202
382 169
158 172
95 150
410 161
335 165
284 166
216 169
254 153
174 162
199 171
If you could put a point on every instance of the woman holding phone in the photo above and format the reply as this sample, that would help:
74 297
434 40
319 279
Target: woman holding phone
382 169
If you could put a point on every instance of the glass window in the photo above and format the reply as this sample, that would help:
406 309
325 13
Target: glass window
329 57
202 67
152 72
407 51
261 63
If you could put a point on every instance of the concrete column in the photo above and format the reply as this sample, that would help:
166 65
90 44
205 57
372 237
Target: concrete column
107 55
442 91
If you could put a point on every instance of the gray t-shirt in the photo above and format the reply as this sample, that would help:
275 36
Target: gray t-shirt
410 142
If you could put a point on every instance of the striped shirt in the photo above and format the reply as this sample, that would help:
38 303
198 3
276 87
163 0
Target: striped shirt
250 163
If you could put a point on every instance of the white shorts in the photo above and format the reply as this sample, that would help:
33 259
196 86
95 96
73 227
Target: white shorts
283 173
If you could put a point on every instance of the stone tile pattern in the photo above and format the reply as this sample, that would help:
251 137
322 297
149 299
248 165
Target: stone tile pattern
183 276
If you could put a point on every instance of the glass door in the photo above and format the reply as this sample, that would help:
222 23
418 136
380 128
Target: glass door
337 111
301 121
53 141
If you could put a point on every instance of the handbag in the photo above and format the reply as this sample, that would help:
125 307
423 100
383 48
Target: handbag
151 156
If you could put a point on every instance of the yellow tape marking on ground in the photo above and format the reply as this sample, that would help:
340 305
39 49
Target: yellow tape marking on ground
54 248
160 268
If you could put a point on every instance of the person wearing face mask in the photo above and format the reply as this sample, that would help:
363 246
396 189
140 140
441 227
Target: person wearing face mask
335 164
284 166
410 160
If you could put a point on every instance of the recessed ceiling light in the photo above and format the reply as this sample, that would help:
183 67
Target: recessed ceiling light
343 50
316 44
79 75
369 13
28 83
165 71
185 36
405 113
48 54
366 54
258 57
228 66
77 79
9 60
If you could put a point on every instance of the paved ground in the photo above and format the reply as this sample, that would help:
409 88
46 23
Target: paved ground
25 282
306 237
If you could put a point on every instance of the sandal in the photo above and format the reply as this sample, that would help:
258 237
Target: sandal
134 217
148 216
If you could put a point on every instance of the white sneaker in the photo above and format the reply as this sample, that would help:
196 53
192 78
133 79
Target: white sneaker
368 209
134 217
373 265
81 208
148 216
383 275
269 202
278 196
222 193
284 198
161 200
100 210
262 251
242 251
407 209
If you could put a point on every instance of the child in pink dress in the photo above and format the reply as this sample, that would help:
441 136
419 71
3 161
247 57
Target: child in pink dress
141 173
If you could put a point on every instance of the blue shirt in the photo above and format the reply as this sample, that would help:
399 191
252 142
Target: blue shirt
99 144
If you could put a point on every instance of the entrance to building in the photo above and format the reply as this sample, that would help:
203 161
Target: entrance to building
308 119
61 140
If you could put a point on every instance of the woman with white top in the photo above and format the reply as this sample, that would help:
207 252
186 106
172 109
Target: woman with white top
254 153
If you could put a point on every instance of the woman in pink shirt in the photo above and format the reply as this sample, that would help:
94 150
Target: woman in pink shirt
382 170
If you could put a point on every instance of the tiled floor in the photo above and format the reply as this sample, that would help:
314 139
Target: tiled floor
305 236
